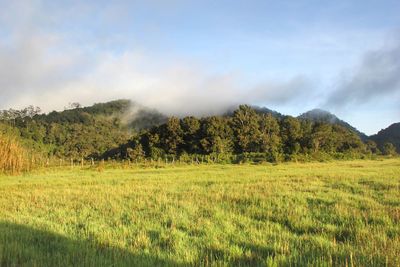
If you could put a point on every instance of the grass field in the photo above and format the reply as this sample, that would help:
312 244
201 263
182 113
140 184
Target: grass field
319 214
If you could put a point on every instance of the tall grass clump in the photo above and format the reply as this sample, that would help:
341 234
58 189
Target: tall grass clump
12 155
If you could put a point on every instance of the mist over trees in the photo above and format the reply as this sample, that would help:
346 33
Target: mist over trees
103 131
246 134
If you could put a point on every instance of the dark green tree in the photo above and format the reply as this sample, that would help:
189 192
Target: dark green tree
372 147
245 124
291 135
217 135
389 149
322 138
269 138
191 130
135 152
171 136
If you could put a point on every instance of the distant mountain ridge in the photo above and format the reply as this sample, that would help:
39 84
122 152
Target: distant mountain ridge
390 134
314 115
138 117
133 115
264 110
258 109
94 130
320 115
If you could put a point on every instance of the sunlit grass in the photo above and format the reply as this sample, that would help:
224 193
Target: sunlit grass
288 214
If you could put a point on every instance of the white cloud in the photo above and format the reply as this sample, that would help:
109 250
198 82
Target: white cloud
376 78
46 63
45 68
174 89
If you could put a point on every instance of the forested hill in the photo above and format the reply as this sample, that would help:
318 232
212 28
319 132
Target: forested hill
78 114
123 129
389 135
130 114
78 131
259 110
320 115
246 134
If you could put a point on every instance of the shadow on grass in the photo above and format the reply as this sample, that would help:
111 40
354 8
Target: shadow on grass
257 256
24 246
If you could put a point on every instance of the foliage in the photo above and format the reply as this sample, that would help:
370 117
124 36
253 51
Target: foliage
389 135
74 133
216 135
105 130
246 127
323 116
389 149
250 135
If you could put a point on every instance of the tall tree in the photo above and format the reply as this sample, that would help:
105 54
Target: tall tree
322 138
191 130
172 136
269 139
135 151
291 135
217 136
389 149
245 124
372 147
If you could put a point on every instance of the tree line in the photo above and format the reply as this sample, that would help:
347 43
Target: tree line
73 133
99 132
246 135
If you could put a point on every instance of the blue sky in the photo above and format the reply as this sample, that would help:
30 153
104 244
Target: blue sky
200 57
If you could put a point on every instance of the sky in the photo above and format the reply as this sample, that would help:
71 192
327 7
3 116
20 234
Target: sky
187 57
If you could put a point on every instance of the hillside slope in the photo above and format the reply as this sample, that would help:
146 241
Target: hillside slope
389 135
132 115
320 115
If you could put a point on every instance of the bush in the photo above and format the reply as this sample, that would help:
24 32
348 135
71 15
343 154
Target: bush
389 149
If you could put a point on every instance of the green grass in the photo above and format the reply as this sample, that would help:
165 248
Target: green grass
319 214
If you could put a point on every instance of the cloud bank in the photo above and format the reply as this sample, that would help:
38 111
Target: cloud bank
376 77
45 68
49 62
32 75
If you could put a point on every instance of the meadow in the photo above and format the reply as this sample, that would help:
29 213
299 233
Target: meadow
341 213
